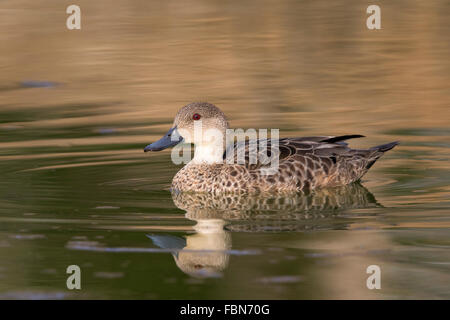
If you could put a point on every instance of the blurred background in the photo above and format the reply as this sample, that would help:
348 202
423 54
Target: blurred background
78 106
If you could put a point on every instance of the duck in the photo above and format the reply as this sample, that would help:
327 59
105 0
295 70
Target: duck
222 165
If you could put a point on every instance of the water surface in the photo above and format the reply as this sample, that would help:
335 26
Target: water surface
77 107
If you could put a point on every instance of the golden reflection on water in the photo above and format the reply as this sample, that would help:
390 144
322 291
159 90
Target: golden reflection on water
298 65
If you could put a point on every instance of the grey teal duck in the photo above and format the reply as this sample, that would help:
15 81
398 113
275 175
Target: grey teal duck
303 163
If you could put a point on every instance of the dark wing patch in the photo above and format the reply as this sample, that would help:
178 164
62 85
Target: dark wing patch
342 138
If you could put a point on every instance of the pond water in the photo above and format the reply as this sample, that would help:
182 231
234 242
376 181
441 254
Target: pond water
77 107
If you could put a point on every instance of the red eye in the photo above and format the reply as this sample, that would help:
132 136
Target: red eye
196 116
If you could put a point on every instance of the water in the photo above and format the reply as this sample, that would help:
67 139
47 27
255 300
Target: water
77 107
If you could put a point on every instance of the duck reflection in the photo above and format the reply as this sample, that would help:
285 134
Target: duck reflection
206 252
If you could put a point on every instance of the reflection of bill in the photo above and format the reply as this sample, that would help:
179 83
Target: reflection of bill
206 253
203 254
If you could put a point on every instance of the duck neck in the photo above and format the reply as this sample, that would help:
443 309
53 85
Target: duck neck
208 153
211 147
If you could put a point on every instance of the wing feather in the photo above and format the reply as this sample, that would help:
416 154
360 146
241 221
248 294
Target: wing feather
321 146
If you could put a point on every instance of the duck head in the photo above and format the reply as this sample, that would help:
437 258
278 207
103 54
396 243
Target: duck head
199 123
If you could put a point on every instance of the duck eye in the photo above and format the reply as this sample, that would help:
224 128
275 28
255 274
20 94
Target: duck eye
196 116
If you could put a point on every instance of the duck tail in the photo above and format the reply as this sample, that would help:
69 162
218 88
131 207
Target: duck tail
378 151
385 147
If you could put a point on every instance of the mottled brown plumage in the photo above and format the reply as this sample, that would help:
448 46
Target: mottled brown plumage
305 163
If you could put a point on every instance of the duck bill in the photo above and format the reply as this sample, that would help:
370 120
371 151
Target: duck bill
170 139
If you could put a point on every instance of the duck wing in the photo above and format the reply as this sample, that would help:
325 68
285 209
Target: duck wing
255 154
304 163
